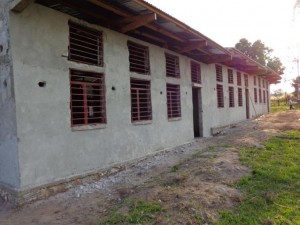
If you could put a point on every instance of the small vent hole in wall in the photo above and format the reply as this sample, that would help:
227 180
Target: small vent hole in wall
113 88
1 48
161 92
42 83
5 83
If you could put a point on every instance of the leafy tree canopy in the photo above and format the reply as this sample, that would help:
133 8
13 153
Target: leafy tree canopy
260 53
295 83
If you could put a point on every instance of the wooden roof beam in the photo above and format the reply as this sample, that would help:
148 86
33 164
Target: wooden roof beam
193 45
80 9
219 58
19 5
137 21
125 14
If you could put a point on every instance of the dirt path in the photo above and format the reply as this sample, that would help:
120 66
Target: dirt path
189 180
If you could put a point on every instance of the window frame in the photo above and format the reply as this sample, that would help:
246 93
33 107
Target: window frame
173 94
172 65
240 97
98 47
219 73
239 78
196 72
230 76
231 96
142 64
220 95
140 85
86 109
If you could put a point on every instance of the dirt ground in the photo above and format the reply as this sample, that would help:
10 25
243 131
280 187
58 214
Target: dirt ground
192 179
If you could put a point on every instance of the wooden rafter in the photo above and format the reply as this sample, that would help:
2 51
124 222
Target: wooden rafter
79 8
178 23
125 14
150 36
20 5
137 22
219 58
193 45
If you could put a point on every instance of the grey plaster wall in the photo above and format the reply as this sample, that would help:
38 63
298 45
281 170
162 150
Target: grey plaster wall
9 161
49 149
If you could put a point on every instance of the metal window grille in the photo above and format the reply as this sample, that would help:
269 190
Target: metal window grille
85 45
259 96
230 76
231 96
255 95
239 78
254 78
141 108
220 96
240 97
196 72
219 73
138 58
173 101
172 66
87 92
259 83
264 96
246 80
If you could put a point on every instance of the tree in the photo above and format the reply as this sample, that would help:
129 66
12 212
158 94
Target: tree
295 84
261 54
278 93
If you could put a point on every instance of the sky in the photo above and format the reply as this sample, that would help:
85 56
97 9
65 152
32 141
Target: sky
274 22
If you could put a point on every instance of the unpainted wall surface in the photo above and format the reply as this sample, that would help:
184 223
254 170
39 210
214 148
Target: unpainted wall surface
9 164
49 149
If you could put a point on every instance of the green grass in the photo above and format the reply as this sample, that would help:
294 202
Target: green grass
174 169
276 108
140 212
272 194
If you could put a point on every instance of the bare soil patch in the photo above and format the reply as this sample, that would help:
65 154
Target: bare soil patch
192 183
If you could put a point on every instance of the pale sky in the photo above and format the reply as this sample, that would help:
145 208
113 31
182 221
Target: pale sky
227 21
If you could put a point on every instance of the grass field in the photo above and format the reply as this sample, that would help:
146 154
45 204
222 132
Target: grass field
272 193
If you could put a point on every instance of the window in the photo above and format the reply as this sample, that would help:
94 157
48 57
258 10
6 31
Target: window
196 72
173 101
246 80
172 66
259 95
138 58
240 96
254 78
85 45
220 96
219 73
259 83
263 81
140 100
264 96
255 95
87 98
230 76
239 79
231 96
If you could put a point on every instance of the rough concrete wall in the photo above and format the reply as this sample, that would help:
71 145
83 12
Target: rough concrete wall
49 149
9 165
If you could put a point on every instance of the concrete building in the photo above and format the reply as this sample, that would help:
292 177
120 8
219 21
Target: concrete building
88 85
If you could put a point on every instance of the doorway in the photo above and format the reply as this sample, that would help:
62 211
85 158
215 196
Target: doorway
197 112
247 104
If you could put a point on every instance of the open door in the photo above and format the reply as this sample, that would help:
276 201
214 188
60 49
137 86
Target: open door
247 104
197 112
